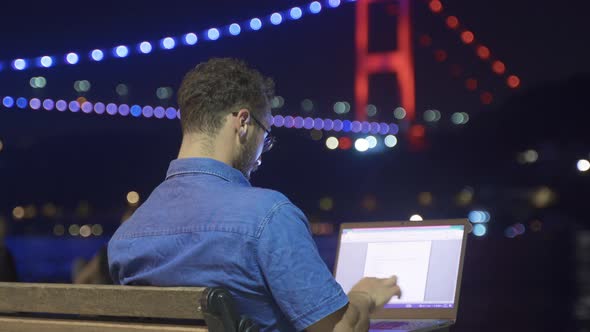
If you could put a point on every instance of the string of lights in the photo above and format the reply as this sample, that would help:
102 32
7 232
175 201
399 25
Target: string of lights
471 83
468 37
168 43
171 113
23 213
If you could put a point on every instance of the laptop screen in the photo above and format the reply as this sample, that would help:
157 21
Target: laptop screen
424 258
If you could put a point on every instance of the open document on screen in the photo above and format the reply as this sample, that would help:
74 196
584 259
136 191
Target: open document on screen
424 258
407 260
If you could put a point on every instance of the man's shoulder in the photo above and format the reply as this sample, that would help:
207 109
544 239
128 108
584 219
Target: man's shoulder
265 206
265 198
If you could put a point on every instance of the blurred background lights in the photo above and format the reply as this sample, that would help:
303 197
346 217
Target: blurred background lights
390 141
74 230
361 145
339 107
122 89
35 103
315 7
277 102
49 210
543 197
121 51
332 143
464 197
19 64
255 24
425 198
97 230
515 230
372 141
97 55
510 232
59 230
369 202
536 225
307 105
583 165
168 43
164 93
46 61
399 113
30 211
459 118
479 216
479 230
145 47
432 116
295 13
334 3
132 197
38 82
345 143
85 231
190 38
82 86
371 110
520 228
326 203
235 29
72 58
530 156
21 103
18 213
316 135
276 18
416 217
346 107
8 101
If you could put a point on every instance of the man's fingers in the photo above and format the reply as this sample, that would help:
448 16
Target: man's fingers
397 291
386 294
390 281
394 290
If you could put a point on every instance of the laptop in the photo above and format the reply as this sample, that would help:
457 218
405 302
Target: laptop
427 258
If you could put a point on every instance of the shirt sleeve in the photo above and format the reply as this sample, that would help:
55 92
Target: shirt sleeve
294 272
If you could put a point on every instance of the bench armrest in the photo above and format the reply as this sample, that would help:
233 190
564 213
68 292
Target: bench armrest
220 315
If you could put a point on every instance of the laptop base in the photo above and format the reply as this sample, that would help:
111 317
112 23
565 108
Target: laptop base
413 325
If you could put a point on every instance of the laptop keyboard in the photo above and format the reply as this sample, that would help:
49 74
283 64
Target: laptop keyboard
408 325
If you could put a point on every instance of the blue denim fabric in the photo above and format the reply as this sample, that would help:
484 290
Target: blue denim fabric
205 225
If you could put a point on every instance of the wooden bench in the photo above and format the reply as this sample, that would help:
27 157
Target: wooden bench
31 307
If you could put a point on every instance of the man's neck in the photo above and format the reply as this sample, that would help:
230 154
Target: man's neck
197 146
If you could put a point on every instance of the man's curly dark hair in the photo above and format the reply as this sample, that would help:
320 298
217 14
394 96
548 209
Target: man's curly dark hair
218 87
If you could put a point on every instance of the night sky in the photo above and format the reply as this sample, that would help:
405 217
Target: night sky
66 158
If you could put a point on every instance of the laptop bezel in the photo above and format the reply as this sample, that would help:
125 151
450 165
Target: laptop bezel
414 313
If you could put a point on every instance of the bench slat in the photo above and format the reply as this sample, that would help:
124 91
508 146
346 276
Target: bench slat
59 325
102 300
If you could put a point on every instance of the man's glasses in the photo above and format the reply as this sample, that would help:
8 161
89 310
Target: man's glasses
269 140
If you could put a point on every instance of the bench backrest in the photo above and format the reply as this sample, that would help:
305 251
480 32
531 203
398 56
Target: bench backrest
65 307
102 300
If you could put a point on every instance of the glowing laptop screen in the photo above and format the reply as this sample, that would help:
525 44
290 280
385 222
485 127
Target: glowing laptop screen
424 258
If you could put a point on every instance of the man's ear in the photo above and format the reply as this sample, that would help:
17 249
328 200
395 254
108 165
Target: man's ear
243 118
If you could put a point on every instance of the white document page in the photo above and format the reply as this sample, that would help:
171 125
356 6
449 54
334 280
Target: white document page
407 260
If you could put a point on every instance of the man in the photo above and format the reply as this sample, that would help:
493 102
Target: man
7 266
95 271
205 225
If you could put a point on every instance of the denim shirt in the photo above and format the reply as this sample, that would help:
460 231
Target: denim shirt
205 225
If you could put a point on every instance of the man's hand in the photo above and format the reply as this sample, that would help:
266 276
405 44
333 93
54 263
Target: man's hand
364 298
380 291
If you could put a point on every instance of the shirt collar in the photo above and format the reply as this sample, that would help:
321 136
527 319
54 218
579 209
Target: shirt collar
206 166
